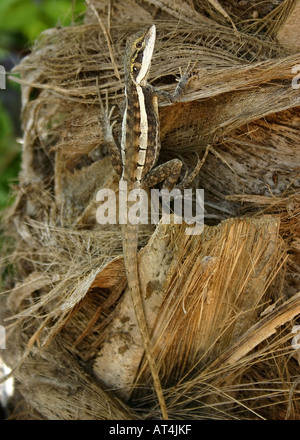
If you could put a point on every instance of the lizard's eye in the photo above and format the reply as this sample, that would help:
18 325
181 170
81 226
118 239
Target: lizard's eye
138 45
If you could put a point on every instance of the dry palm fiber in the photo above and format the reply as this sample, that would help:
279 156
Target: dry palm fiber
215 292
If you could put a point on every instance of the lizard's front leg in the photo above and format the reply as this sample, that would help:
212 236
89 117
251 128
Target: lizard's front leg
108 136
174 97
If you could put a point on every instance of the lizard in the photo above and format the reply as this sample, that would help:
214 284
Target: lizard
135 162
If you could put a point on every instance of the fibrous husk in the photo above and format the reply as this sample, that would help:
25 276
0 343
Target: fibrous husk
220 306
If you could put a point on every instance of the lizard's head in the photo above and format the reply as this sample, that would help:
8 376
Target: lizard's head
138 54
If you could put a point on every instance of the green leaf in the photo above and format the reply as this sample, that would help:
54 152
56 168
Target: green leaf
22 15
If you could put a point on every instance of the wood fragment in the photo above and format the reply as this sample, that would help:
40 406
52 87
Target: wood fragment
288 34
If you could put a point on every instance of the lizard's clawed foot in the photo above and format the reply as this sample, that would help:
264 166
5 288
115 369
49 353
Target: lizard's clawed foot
107 130
188 178
183 81
188 73
105 121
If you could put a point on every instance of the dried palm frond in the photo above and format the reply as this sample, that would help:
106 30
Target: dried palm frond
221 306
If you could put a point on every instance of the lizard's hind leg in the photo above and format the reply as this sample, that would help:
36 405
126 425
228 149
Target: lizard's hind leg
167 172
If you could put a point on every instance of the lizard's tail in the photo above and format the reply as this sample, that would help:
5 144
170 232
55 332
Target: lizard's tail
130 243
